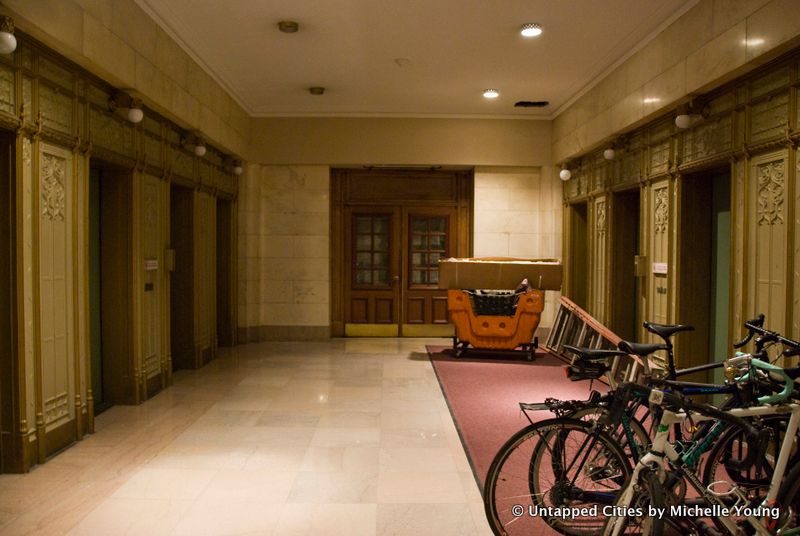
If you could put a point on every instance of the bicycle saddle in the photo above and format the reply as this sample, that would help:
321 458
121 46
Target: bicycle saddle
666 331
592 354
641 350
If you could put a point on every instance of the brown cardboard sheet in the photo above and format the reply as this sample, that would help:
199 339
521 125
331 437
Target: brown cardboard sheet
499 273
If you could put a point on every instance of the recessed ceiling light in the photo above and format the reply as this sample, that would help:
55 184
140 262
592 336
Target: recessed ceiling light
491 93
531 29
316 90
288 26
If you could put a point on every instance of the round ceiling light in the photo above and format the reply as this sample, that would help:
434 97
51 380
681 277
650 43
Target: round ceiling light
288 26
491 93
531 29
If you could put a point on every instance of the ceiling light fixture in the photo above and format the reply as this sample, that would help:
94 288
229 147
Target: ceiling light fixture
316 90
8 43
609 154
288 26
127 105
565 173
530 29
491 93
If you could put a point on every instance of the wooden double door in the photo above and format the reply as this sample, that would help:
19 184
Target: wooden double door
393 272
389 282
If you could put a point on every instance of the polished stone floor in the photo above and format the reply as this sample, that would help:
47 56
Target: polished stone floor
347 437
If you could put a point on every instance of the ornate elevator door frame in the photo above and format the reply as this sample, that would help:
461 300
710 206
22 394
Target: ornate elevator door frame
388 230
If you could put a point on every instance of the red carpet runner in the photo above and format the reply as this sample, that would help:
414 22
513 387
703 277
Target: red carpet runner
484 395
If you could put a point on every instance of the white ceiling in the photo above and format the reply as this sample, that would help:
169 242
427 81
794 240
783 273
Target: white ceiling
455 49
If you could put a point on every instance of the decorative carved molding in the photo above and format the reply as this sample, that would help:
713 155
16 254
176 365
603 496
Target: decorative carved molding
56 109
600 222
661 211
54 202
56 407
26 151
769 118
711 138
771 191
7 100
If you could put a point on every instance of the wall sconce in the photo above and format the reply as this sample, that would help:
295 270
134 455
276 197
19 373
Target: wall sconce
127 105
565 173
683 120
8 43
611 151
194 143
690 114
234 165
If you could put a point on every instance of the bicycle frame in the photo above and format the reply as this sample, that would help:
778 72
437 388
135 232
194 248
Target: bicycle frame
663 452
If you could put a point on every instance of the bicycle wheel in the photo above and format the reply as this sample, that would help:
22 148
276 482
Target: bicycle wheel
549 467
731 446
640 436
633 504
788 504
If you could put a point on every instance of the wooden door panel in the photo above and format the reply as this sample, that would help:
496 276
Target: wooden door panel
439 308
385 311
430 234
373 266
415 310
359 308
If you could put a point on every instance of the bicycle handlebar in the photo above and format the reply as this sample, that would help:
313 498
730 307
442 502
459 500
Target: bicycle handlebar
769 368
752 325
756 326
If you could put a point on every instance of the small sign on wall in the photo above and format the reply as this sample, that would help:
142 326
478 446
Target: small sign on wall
150 265
660 268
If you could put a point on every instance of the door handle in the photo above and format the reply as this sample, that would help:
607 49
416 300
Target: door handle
395 280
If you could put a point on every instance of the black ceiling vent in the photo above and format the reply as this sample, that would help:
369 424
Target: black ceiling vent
532 104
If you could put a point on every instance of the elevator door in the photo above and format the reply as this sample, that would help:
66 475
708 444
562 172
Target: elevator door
625 286
704 277
8 460
577 277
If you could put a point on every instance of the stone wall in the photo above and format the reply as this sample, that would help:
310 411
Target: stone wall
518 214
284 222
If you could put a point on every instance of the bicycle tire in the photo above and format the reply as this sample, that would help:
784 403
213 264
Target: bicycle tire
648 492
515 477
788 502
729 447
640 435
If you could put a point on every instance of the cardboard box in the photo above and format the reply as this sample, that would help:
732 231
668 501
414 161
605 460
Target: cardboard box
499 273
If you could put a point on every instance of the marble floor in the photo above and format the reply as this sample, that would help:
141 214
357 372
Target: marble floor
347 437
